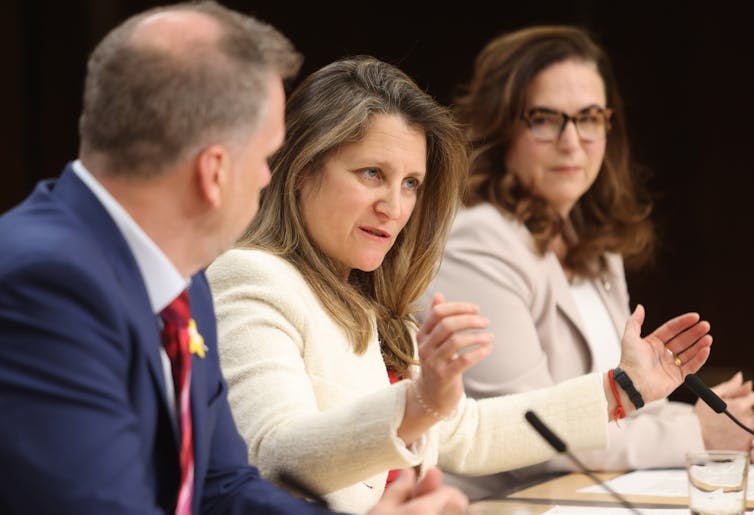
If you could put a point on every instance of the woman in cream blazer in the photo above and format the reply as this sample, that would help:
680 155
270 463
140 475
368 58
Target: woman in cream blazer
315 326
306 403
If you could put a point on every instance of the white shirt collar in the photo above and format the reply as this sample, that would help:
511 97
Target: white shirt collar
163 281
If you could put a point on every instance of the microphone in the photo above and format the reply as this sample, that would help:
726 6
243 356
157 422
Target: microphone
560 446
710 398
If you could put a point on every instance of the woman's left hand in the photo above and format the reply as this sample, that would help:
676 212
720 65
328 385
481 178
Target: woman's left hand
659 362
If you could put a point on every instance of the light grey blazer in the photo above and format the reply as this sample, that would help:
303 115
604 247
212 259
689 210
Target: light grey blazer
540 340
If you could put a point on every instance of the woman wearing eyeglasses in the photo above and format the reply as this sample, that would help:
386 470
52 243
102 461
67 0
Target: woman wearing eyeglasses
552 210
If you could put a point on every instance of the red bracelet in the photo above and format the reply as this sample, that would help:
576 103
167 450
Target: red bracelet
619 412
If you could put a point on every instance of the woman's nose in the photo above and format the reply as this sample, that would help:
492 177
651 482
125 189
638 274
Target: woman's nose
390 203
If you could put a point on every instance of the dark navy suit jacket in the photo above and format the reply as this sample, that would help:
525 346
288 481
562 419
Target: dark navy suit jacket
84 422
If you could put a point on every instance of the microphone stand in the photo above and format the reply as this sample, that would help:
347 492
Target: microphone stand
560 446
701 390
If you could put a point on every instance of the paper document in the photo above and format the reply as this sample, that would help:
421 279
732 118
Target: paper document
658 483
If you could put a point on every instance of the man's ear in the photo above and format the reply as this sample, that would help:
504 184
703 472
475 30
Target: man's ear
213 173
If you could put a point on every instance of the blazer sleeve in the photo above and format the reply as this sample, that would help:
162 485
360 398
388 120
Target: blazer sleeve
69 439
492 435
263 335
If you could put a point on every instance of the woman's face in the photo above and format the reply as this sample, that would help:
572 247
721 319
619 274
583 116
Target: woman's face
561 170
363 195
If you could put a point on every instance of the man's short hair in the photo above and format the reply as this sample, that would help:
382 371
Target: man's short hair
147 107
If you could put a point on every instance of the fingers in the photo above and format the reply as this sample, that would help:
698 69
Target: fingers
401 489
405 496
462 362
451 323
740 390
683 341
454 352
696 355
431 481
744 389
729 387
675 326
441 310
448 336
453 342
444 500
437 298
741 406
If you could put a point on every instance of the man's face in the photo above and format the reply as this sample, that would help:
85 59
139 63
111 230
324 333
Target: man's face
250 171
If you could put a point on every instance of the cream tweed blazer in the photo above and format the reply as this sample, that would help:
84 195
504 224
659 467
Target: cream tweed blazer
306 403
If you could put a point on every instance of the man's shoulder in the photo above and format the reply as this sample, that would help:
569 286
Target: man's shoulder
32 236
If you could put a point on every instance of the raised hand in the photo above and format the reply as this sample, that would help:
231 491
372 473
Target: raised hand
449 343
447 347
658 362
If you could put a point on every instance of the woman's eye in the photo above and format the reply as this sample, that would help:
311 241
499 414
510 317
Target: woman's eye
545 120
538 120
371 173
411 183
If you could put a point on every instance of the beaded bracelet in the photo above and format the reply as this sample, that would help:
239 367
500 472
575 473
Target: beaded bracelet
427 409
628 386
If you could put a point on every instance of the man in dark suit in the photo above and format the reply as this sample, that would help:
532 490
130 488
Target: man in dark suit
182 107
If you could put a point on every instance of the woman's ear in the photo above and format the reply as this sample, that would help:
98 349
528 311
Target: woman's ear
213 173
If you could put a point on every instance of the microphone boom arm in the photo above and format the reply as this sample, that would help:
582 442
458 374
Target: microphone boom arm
558 444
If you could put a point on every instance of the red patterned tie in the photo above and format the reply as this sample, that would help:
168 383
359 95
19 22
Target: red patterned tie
175 339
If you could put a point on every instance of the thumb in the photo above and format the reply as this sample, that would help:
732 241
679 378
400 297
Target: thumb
437 298
635 321
401 489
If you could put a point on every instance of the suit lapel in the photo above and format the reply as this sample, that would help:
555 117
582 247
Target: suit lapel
204 383
94 218
561 289
564 302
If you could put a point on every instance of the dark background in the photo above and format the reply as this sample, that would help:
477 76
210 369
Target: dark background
685 71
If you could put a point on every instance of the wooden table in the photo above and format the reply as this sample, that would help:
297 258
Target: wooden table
564 491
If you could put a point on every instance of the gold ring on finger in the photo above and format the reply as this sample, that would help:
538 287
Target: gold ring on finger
676 359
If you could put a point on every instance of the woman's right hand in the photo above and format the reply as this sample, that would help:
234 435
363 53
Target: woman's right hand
718 431
449 343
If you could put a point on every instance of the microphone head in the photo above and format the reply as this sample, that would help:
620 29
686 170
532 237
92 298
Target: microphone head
702 391
544 431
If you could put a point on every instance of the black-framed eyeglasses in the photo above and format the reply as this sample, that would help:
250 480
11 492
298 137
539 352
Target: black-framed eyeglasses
592 123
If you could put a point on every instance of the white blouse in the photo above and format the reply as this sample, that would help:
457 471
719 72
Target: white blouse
601 334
